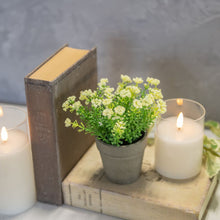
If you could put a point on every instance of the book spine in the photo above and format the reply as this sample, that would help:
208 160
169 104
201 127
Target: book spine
119 205
84 197
129 207
40 107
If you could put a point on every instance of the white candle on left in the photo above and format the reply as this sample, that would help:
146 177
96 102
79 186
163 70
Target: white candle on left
17 186
179 148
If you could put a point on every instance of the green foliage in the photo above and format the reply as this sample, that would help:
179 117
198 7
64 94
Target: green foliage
117 117
214 126
211 150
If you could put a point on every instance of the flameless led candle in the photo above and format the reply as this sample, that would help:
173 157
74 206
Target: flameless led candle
17 187
179 140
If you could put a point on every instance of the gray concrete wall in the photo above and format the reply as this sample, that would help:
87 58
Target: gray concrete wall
177 41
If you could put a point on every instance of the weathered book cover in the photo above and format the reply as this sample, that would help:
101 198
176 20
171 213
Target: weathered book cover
151 197
57 149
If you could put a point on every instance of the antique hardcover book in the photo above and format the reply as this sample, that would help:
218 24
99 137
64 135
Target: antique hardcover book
150 197
57 149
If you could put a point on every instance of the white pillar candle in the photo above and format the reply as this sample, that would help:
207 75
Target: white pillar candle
17 186
178 152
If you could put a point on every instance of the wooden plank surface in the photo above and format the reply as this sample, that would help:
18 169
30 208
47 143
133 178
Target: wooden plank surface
150 197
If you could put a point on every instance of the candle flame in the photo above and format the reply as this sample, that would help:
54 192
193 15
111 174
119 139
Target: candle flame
4 134
179 101
179 121
1 111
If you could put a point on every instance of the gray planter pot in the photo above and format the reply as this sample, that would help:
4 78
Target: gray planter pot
122 165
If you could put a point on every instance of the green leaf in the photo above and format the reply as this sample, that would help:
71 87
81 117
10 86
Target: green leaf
212 155
214 126
211 144
211 123
212 164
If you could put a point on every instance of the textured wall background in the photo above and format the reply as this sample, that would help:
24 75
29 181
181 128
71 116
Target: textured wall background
177 41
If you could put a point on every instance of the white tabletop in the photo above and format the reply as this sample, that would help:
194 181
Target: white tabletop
51 212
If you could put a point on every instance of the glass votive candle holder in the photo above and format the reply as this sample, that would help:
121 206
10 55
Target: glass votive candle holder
179 139
17 186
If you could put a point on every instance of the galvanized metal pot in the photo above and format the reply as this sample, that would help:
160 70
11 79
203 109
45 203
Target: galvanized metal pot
122 165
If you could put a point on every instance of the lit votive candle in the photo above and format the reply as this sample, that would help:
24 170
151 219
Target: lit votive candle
179 139
17 186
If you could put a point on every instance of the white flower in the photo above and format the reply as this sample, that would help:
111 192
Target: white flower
119 127
108 92
162 107
134 89
82 96
126 79
138 80
125 93
106 102
76 105
119 110
71 98
156 93
96 102
115 118
119 88
67 122
85 94
65 106
107 112
94 93
120 124
153 81
137 103
148 100
103 82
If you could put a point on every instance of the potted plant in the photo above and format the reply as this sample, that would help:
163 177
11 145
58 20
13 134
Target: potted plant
119 119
